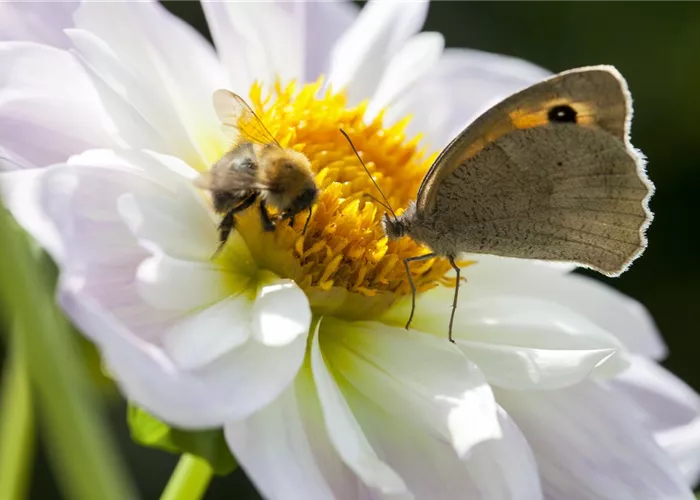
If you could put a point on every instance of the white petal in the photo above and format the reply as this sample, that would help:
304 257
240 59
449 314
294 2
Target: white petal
671 410
325 24
179 285
525 368
234 386
589 443
493 267
41 22
100 293
284 449
281 314
172 63
411 63
21 194
80 201
416 377
154 102
517 342
159 218
613 311
462 85
362 53
48 107
345 433
207 335
142 120
497 469
258 41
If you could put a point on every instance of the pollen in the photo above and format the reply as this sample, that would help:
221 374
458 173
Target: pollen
343 261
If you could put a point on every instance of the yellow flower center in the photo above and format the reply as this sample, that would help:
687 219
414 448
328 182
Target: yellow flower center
343 262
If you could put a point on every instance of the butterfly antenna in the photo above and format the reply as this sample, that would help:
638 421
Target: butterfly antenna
386 202
378 201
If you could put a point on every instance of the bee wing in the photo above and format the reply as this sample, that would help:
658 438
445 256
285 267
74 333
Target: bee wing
228 180
239 119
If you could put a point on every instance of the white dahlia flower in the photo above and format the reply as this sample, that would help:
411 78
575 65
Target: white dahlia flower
294 343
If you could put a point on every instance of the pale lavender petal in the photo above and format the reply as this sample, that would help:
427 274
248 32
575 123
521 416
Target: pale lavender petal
497 469
234 386
326 21
462 85
156 82
671 410
416 377
360 56
518 342
346 434
259 41
99 290
48 107
613 311
590 442
414 61
37 21
285 450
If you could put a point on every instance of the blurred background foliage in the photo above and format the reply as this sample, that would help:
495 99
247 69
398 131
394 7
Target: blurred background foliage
657 47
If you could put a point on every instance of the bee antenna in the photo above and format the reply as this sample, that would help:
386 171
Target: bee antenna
386 202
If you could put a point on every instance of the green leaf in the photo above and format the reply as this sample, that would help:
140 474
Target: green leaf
208 445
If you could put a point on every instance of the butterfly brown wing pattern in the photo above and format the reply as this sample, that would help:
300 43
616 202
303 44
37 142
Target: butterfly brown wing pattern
547 174
598 94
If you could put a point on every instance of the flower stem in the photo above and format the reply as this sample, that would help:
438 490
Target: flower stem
190 479
83 456
17 431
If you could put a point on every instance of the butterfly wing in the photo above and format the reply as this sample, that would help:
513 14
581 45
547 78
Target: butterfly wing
597 94
528 179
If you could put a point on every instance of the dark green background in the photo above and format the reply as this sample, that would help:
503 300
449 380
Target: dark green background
657 47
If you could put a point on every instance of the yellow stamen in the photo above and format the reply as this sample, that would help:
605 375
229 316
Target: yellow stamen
343 262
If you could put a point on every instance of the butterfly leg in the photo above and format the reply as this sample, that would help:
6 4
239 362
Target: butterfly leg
412 284
267 223
454 300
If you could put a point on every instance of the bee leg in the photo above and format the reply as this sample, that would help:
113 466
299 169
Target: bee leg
228 223
225 227
306 224
267 223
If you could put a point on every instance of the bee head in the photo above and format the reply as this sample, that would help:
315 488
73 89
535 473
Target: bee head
305 199
289 180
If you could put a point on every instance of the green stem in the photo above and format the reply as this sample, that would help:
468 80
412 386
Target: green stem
17 431
189 481
83 454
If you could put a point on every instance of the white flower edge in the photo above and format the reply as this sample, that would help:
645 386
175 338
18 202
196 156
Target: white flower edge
354 433
589 441
183 381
